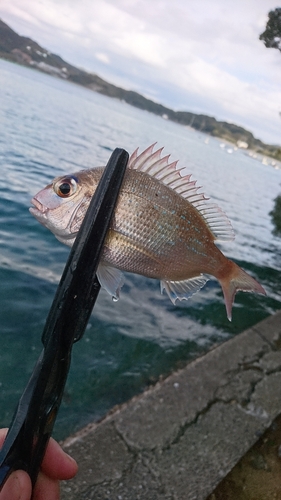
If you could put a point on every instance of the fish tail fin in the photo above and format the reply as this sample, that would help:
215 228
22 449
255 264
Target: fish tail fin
237 279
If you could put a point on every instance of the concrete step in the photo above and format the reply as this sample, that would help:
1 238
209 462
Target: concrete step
178 439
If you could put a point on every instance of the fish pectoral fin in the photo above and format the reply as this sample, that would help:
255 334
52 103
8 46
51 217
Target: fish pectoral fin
182 290
111 279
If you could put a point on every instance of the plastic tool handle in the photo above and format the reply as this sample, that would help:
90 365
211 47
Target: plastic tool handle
38 406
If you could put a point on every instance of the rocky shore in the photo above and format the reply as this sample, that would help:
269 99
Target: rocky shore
181 438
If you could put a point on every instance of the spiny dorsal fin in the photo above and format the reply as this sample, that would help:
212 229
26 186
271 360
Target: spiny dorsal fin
154 164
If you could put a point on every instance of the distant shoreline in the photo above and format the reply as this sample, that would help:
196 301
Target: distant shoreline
26 52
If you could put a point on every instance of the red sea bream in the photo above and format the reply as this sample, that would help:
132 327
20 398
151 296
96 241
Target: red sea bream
162 228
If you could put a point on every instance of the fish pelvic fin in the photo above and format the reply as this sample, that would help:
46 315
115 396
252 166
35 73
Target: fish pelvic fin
111 279
182 290
236 280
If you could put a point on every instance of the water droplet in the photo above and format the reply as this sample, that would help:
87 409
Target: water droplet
73 266
115 299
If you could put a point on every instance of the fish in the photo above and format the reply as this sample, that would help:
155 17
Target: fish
163 228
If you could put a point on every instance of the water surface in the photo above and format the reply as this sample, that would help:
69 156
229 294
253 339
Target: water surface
49 127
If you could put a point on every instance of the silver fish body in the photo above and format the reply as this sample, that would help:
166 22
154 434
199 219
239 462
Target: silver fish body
153 233
162 228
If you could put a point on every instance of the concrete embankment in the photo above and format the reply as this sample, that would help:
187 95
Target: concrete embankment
179 439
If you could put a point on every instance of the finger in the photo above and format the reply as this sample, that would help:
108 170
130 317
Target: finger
17 487
3 433
57 464
45 488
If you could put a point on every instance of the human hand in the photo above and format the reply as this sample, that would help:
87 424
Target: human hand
56 465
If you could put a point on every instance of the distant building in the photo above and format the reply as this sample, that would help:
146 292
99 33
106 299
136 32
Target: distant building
21 57
242 144
52 70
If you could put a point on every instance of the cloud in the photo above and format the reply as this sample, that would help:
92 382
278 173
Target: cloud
101 56
201 55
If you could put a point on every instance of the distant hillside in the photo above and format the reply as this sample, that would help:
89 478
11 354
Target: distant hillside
23 50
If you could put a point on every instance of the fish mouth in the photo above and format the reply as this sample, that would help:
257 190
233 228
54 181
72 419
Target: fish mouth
38 210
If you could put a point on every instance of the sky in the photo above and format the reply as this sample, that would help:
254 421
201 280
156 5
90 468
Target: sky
203 56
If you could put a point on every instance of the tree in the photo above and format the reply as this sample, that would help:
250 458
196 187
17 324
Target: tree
276 216
272 34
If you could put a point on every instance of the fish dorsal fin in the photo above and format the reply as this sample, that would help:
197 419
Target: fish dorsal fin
158 166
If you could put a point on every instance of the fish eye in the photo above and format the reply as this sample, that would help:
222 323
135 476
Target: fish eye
65 187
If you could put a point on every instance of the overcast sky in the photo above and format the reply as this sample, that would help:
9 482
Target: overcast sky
195 55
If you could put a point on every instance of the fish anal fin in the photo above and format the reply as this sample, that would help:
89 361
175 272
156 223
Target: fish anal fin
111 279
182 290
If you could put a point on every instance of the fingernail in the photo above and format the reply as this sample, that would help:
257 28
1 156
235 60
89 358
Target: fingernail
73 464
70 458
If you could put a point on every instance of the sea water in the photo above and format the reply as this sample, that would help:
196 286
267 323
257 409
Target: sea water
49 127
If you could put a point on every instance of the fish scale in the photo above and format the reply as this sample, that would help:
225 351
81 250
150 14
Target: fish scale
162 228
168 222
